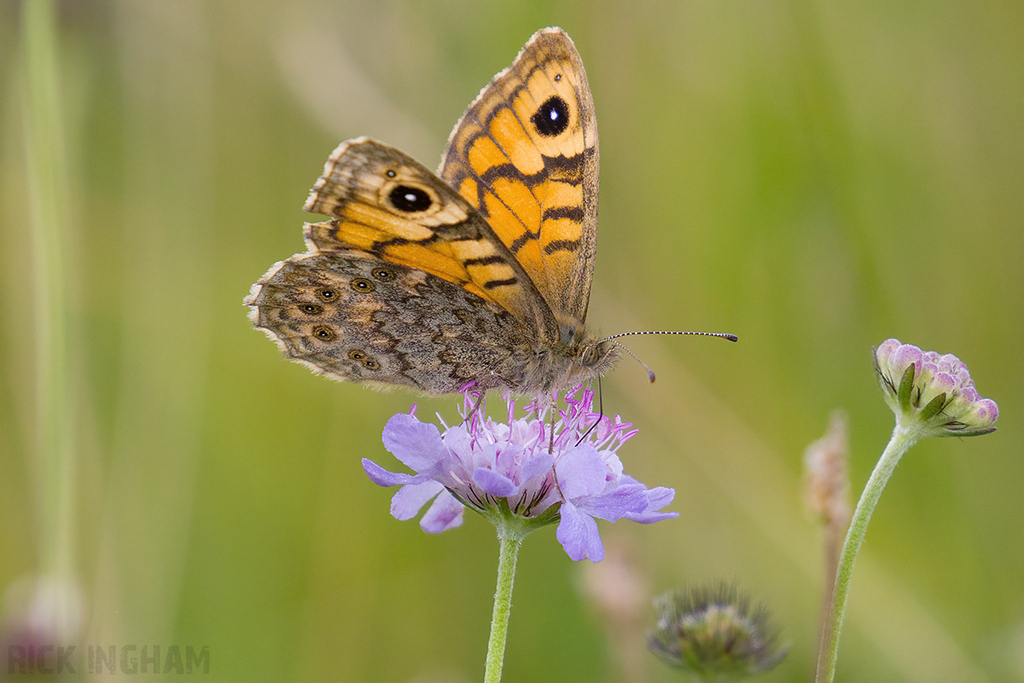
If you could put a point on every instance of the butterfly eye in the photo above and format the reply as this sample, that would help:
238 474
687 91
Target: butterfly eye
324 333
552 118
384 274
410 199
326 294
311 309
361 284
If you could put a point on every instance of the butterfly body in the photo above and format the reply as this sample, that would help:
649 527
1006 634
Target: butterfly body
475 278
352 317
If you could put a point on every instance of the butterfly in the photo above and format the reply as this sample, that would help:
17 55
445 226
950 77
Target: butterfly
477 277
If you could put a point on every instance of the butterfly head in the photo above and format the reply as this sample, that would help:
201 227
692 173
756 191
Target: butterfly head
589 357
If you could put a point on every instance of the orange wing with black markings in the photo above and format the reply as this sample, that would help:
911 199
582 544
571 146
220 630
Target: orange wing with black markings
386 203
525 154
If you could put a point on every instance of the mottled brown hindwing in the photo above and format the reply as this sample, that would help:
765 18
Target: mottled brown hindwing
353 317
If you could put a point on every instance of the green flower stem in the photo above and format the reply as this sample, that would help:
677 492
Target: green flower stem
511 532
902 439
47 189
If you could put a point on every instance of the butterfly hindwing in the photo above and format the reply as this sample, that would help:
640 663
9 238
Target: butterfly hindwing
348 314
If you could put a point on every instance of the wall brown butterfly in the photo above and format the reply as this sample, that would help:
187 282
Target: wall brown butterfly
475 278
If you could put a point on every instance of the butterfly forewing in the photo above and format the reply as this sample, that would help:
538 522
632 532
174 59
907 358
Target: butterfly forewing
387 203
525 154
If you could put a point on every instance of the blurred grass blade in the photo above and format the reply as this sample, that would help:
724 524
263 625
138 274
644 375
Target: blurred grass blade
54 465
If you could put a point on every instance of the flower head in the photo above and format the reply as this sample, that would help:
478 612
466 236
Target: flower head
714 633
932 393
566 471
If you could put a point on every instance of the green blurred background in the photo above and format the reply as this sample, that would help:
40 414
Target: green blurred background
813 176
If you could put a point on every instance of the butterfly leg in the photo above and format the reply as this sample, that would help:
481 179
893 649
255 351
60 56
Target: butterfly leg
551 449
475 408
551 441
600 413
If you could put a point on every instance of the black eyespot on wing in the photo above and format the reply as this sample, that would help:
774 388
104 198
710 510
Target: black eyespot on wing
365 359
326 294
552 118
324 333
311 309
361 284
410 199
384 274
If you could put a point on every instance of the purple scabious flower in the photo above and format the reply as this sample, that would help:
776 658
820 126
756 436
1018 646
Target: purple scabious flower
932 392
521 470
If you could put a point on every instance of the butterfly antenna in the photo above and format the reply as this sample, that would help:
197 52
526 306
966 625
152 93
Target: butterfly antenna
650 373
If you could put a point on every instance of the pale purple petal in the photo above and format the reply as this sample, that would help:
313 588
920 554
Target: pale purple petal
613 466
616 503
494 483
578 535
888 346
407 502
650 517
444 514
537 466
985 412
417 445
903 357
943 382
883 352
483 455
581 472
382 477
657 498
970 395
509 459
